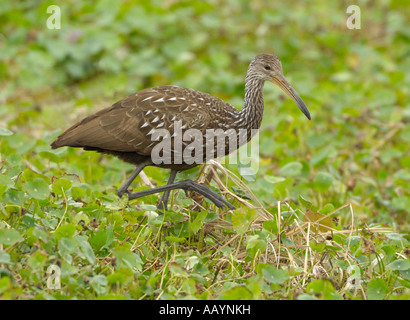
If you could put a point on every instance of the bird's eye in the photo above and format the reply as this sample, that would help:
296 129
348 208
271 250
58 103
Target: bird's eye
267 67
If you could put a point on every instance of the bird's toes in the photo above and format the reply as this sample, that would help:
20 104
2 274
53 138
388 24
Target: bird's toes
230 206
120 192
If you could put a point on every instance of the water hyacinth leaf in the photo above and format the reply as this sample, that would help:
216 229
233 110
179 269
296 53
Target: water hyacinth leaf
5 132
122 276
255 244
306 203
50 156
65 230
100 284
5 257
238 293
323 180
127 259
271 226
274 179
274 275
9 236
324 288
37 260
175 239
291 169
5 180
199 221
242 218
376 289
38 189
328 208
400 264
60 186
86 249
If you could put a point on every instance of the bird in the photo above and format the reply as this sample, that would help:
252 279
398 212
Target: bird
129 128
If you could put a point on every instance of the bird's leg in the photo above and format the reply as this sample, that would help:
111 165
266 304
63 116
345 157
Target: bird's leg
164 199
187 185
124 188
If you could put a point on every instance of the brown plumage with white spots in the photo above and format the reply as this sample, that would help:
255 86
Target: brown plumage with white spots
126 129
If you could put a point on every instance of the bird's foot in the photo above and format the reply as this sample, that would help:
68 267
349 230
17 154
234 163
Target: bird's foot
187 185
121 192
217 199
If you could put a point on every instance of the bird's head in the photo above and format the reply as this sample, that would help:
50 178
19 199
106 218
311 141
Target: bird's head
267 67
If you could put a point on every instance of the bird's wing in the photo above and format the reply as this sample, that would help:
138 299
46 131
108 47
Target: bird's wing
131 123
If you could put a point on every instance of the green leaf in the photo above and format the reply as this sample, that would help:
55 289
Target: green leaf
306 203
274 179
273 275
376 289
271 226
5 180
9 236
291 169
60 186
5 284
199 221
67 246
400 264
324 288
102 239
122 276
175 239
38 189
99 284
238 293
328 208
65 230
86 249
127 259
5 132
177 270
255 244
323 180
242 218
318 247
4 257
37 260
50 156
305 296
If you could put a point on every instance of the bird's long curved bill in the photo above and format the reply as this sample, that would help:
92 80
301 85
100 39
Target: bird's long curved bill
287 88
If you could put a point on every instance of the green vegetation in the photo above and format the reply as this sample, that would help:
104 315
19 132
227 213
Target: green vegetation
326 215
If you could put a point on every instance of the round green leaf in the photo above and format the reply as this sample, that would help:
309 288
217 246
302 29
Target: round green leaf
323 180
4 257
376 289
5 132
9 236
400 264
65 231
60 186
291 169
238 293
271 226
37 188
273 275
274 179
50 156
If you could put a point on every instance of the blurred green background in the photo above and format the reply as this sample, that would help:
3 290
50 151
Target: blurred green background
355 83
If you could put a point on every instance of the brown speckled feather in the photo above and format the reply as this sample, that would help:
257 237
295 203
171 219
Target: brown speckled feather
128 125
128 128
152 128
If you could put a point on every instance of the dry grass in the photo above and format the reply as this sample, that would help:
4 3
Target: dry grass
301 232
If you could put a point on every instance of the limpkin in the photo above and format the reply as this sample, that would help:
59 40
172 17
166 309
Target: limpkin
126 128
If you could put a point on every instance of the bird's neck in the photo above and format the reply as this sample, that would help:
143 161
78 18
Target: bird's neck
252 110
